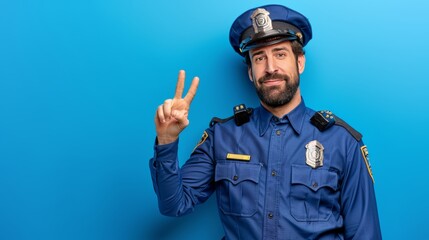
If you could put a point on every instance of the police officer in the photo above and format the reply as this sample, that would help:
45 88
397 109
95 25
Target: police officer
281 170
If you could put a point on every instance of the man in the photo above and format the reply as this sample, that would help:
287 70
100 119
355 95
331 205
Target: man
281 170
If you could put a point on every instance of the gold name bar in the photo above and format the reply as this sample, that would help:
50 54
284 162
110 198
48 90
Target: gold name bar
242 157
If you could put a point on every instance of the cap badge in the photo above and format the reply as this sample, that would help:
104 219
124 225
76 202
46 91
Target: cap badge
314 154
261 21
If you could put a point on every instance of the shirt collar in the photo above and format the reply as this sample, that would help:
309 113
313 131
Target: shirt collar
295 117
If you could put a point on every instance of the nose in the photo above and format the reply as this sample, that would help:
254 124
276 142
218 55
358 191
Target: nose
271 66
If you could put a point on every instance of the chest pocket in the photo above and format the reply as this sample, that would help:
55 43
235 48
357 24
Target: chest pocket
313 194
237 188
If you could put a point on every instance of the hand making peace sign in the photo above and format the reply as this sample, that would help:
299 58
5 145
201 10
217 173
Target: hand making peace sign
172 116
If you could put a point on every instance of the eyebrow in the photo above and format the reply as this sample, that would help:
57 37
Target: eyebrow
274 50
280 49
257 53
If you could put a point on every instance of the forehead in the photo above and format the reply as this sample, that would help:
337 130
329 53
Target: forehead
283 45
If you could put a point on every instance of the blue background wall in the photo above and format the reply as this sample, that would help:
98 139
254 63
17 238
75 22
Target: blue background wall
80 82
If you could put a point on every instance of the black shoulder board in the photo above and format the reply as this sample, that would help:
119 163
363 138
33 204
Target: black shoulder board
325 119
241 116
219 120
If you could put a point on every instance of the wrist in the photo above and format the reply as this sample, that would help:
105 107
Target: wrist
162 140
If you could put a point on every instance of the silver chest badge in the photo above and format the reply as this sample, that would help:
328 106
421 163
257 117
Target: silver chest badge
314 154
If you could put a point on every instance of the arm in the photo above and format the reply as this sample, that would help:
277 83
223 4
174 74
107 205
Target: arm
359 207
179 190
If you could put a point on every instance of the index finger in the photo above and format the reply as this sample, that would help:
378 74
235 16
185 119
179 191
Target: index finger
192 90
180 85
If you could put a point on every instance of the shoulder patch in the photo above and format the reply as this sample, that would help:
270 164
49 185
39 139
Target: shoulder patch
365 155
202 140
326 119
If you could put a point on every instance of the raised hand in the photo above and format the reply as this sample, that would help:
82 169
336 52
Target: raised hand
172 116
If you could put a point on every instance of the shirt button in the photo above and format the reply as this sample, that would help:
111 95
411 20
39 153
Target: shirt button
273 173
235 178
278 132
315 185
270 215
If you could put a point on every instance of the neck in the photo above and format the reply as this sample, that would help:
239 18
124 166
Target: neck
280 111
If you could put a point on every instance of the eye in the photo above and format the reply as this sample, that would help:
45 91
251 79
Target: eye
280 55
259 59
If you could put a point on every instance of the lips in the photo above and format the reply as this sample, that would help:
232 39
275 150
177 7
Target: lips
273 78
272 82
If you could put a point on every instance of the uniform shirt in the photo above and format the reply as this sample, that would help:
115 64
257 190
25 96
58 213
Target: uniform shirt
275 194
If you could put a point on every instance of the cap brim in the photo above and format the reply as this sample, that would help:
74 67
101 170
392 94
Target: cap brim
267 40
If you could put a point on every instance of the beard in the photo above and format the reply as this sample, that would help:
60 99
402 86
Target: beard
276 96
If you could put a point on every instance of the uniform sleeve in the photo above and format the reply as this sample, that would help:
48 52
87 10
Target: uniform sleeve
179 190
359 208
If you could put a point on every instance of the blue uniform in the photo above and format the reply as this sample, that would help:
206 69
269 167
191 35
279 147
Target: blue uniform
265 187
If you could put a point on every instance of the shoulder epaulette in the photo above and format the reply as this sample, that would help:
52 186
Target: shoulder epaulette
241 116
325 119
219 120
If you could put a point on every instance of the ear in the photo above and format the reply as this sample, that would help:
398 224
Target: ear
249 72
301 63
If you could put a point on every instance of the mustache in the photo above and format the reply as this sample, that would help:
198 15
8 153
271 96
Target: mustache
273 76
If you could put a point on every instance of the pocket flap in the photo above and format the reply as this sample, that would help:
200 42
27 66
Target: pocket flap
314 178
237 172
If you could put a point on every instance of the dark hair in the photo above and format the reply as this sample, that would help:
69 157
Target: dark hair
297 50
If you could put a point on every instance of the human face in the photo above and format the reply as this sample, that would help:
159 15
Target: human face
275 73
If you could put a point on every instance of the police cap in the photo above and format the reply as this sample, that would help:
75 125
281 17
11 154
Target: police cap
268 25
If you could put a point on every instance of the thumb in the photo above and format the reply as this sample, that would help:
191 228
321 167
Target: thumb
181 118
